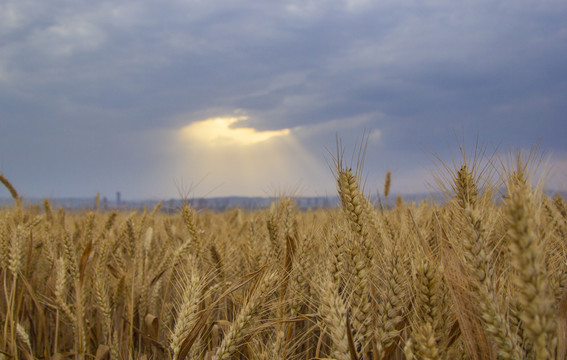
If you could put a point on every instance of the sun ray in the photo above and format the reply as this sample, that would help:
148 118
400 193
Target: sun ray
243 159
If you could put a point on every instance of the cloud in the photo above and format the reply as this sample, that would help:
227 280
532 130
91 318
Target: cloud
69 36
338 125
374 136
92 75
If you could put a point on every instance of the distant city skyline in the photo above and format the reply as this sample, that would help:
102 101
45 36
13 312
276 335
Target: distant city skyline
217 204
209 99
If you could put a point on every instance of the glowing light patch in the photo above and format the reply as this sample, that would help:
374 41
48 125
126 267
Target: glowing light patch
218 131
243 160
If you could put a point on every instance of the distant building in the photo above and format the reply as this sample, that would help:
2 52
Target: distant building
118 200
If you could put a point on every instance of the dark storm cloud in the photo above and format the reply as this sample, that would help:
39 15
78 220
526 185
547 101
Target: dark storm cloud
91 87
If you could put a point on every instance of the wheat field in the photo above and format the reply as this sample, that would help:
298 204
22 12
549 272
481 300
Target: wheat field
480 275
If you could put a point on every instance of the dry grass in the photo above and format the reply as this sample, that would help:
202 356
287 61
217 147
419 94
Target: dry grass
480 276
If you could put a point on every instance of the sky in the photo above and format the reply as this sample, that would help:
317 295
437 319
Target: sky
162 99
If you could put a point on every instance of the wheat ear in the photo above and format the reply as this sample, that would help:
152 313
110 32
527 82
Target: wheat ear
9 186
186 316
534 295
477 261
390 307
240 326
422 344
334 312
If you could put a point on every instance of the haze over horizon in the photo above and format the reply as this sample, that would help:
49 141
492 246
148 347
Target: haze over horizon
223 98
